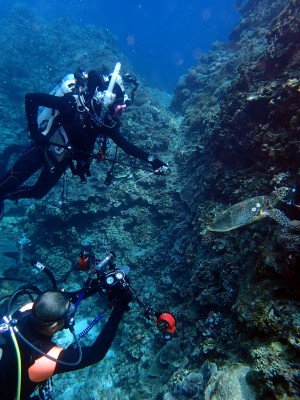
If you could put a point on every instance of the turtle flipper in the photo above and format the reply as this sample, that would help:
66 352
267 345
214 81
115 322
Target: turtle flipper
295 225
1 209
278 216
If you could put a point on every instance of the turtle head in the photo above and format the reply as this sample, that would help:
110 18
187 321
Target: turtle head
281 193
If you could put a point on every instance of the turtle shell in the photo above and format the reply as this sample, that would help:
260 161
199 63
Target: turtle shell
240 214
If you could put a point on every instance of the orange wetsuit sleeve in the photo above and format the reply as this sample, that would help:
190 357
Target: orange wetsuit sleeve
43 368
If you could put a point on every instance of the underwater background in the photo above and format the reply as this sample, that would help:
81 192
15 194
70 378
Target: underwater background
162 39
219 101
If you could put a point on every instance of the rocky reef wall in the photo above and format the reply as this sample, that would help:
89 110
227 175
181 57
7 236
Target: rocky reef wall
241 107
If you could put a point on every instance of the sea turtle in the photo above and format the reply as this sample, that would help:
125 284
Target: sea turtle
252 210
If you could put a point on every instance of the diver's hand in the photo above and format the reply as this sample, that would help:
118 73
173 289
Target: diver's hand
159 167
120 296
164 170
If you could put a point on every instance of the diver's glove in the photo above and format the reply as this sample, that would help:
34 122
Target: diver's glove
1 209
159 167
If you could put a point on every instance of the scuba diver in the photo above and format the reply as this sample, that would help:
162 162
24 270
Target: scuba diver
28 356
84 108
5 156
52 311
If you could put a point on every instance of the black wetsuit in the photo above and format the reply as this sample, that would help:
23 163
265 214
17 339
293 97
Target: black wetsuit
90 355
82 132
14 149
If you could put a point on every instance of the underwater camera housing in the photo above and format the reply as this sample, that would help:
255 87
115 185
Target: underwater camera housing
111 279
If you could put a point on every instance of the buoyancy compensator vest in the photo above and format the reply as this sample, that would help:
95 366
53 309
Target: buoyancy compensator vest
49 124
66 85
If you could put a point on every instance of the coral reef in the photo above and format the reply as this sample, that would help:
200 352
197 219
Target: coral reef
242 141
230 383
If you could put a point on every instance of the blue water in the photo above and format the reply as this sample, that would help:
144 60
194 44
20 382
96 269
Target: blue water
161 39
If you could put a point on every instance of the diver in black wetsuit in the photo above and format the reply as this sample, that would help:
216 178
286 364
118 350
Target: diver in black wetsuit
78 119
14 149
51 312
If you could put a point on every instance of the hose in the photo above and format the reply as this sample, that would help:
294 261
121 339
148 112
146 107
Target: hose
92 324
19 365
40 267
47 355
26 289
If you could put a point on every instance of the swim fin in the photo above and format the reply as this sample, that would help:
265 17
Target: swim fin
1 209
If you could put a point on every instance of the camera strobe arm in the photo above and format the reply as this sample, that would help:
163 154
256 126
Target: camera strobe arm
41 267
165 321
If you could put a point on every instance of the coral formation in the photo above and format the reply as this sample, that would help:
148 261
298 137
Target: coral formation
230 383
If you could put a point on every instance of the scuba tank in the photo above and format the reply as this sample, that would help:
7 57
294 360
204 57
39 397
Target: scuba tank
56 153
66 85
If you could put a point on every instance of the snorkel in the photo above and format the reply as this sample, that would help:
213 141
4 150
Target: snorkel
108 95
